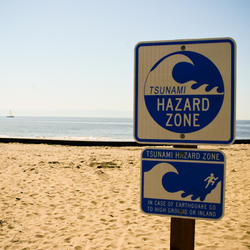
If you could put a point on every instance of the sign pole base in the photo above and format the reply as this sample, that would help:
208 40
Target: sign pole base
182 234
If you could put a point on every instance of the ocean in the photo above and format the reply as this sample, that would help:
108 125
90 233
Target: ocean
79 128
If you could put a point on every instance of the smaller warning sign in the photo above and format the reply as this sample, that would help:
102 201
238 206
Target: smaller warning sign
183 183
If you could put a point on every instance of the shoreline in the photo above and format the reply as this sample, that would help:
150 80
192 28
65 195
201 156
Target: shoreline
108 143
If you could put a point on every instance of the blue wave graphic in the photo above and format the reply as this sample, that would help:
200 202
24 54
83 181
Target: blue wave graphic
195 181
201 70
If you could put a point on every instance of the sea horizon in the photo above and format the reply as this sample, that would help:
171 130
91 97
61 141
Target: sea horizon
82 128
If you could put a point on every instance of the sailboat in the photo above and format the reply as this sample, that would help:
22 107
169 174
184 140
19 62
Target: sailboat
10 115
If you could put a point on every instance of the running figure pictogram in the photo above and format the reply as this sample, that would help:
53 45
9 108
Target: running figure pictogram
210 179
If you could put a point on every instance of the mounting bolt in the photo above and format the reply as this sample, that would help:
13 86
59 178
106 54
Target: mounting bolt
183 47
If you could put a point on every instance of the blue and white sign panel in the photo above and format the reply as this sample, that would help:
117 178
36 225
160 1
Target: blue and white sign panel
185 91
183 183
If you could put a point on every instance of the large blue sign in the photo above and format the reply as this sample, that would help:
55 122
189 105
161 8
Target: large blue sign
184 91
183 183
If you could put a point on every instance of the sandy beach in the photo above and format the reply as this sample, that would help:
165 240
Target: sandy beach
65 197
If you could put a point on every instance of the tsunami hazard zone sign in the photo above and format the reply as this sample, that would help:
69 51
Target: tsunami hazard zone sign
185 91
183 183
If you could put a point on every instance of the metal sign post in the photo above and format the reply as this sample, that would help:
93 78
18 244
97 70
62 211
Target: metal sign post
182 231
182 234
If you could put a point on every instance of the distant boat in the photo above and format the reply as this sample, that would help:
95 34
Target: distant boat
10 115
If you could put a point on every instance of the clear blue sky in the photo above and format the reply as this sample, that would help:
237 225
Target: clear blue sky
76 58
